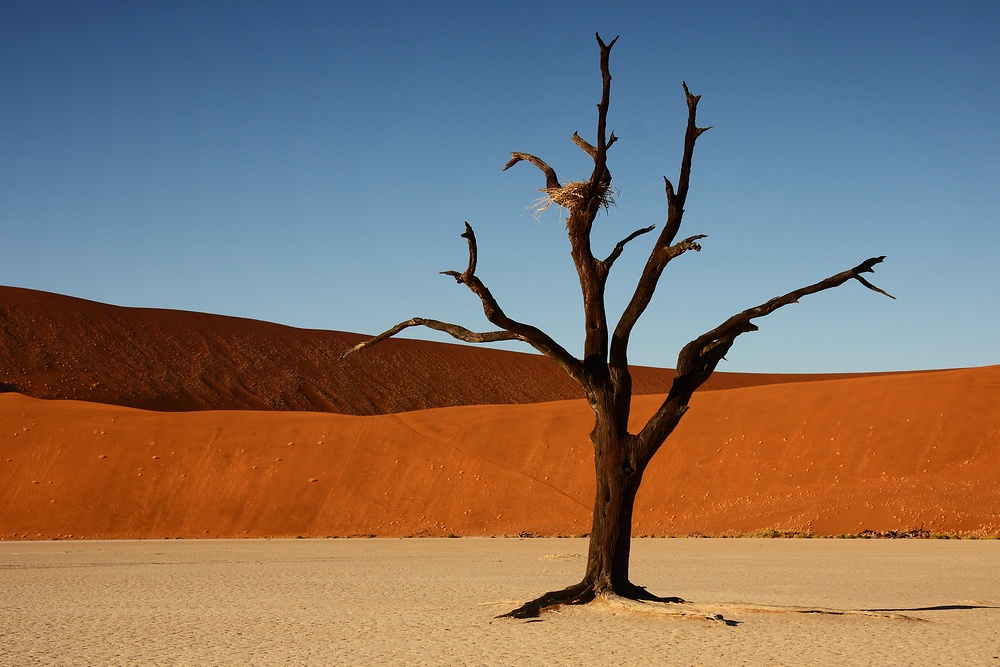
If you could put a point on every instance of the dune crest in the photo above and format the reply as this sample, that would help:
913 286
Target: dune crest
60 347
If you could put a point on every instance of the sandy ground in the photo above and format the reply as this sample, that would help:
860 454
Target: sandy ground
433 602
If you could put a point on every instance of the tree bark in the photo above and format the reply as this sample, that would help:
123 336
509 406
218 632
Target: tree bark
611 528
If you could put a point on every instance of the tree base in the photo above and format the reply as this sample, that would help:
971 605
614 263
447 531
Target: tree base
582 593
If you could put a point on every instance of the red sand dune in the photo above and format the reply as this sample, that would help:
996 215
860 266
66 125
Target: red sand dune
893 452
59 347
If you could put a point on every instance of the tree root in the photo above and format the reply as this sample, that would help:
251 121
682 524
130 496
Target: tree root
636 599
640 594
582 593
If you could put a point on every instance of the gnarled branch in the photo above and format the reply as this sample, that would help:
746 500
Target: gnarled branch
681 247
470 271
510 329
587 147
454 330
698 359
551 180
620 246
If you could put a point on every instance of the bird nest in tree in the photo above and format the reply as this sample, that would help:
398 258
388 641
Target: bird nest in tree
571 195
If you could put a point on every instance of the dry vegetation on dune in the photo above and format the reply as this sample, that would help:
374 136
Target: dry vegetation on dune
886 453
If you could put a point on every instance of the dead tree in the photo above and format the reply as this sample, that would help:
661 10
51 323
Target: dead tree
620 457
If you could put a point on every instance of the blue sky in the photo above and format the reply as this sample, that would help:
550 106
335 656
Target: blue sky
312 164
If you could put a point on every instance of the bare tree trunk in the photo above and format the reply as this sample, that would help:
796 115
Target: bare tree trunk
611 530
609 553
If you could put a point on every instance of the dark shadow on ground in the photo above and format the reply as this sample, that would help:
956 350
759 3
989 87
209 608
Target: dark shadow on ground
940 607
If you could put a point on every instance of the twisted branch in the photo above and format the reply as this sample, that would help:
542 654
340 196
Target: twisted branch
587 147
620 246
463 277
698 359
551 180
510 329
454 330
681 247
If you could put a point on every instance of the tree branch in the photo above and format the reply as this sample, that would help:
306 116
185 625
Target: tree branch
551 181
600 179
698 359
511 329
462 278
681 247
587 147
676 200
663 252
454 330
620 246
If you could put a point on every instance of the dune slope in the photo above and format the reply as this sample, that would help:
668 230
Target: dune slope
59 347
893 452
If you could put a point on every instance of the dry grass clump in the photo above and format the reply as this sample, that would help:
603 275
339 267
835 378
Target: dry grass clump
570 195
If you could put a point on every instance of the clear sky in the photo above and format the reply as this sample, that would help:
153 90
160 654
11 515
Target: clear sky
312 163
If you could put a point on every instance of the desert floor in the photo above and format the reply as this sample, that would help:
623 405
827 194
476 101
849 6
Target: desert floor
433 602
